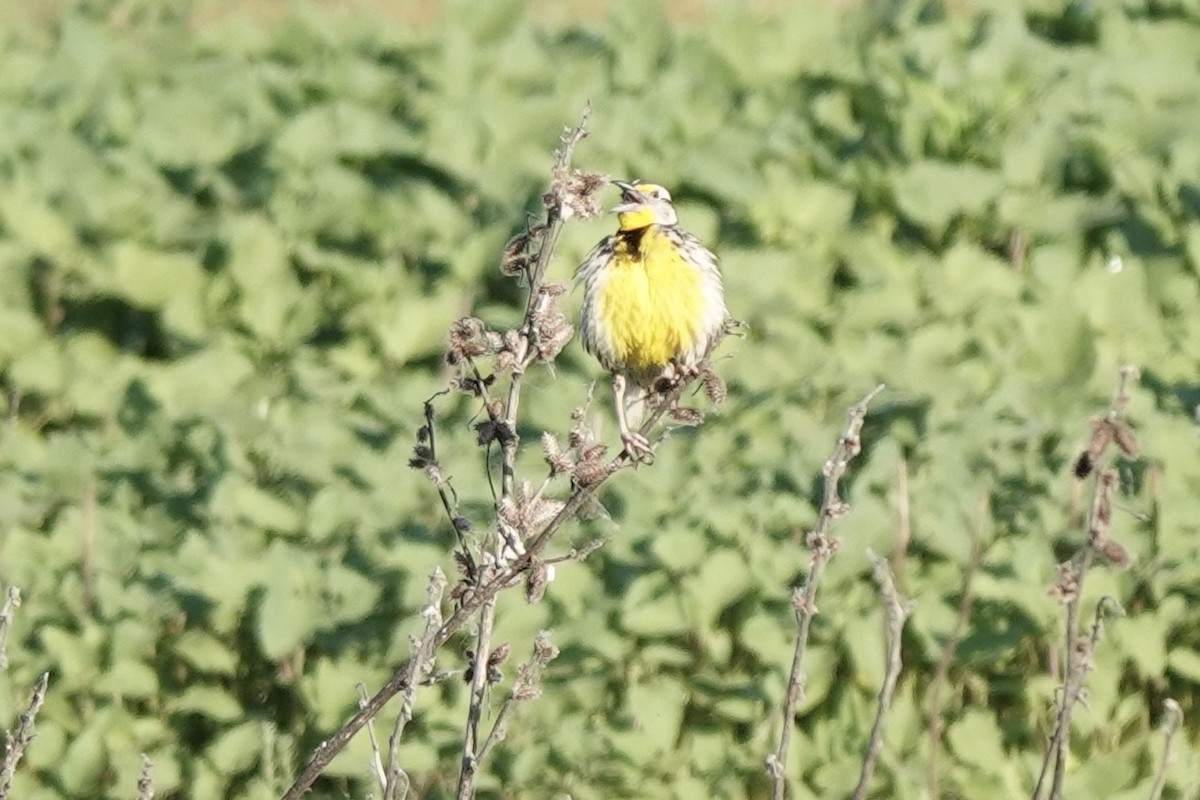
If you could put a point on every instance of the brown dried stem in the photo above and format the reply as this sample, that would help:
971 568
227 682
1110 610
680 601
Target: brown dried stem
804 600
15 742
896 610
1171 723
12 601
145 784
1078 651
479 682
525 687
420 665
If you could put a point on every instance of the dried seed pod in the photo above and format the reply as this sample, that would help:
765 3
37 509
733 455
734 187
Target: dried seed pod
1084 465
537 578
485 432
1125 439
714 387
559 462
589 472
516 258
686 416
1114 553
422 457
498 655
467 339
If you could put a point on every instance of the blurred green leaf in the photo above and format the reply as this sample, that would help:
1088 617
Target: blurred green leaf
1185 663
150 278
976 740
206 652
935 192
207 701
128 679
290 610
237 749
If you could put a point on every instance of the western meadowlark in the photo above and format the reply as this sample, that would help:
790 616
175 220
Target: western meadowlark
653 301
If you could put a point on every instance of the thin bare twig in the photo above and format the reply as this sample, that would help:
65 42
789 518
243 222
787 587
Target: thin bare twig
479 683
1171 723
16 742
377 768
420 665
145 784
526 686
895 612
804 600
942 672
1108 430
12 601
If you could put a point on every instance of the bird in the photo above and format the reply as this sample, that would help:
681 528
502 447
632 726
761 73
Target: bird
653 302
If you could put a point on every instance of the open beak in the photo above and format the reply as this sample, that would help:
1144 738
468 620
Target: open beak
631 198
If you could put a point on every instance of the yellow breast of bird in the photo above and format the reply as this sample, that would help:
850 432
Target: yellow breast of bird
652 304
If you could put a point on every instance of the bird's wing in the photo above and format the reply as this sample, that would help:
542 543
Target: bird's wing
714 289
597 258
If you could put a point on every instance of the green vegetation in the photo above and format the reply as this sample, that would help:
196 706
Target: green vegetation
229 257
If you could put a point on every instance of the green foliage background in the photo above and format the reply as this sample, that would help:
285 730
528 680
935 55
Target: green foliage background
229 253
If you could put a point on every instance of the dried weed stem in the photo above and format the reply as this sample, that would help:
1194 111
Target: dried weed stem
16 741
895 611
1106 431
804 599
12 601
145 784
527 686
1171 723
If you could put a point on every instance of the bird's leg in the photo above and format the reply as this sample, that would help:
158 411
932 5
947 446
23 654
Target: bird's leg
637 445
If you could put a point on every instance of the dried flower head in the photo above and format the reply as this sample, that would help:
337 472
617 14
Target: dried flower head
1125 440
544 650
571 193
471 385
422 457
559 461
686 416
1066 587
714 387
485 432
589 473
537 578
1084 465
498 655
553 333
1114 553
467 339
508 511
521 250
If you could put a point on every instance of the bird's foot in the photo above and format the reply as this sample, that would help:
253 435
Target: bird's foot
637 446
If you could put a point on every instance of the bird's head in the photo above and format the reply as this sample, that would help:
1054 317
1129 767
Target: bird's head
643 204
